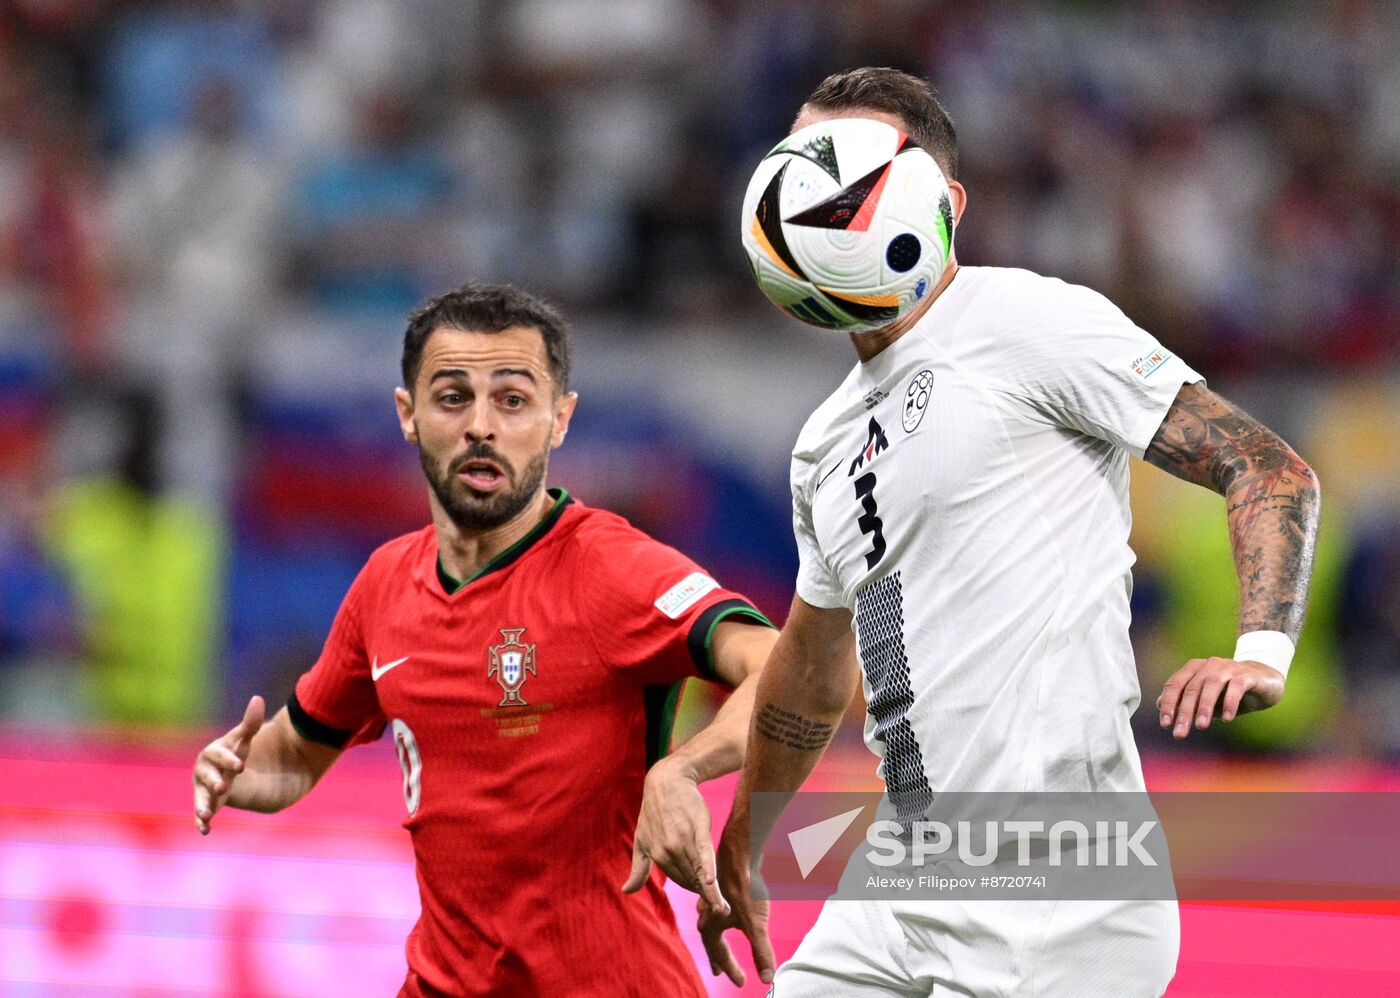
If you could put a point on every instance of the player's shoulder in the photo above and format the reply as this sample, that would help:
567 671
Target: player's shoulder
835 410
390 565
403 551
1016 326
597 529
609 547
1011 298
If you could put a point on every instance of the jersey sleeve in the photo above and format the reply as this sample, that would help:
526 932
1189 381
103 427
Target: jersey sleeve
817 585
1080 362
653 611
334 702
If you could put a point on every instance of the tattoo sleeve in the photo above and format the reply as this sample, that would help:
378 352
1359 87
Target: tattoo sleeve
1271 497
792 729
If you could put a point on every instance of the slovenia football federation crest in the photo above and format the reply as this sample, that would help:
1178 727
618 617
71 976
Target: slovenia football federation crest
916 398
512 661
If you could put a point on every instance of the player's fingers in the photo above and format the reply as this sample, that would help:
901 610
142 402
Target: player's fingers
224 758
728 963
671 852
1211 688
1238 687
1171 692
240 739
722 959
763 960
253 715
706 878
205 804
1186 709
641 867
207 774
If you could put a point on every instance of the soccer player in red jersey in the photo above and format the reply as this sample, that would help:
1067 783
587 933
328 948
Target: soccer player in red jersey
526 653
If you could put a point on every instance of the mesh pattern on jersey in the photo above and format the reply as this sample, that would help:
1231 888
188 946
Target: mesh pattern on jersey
880 634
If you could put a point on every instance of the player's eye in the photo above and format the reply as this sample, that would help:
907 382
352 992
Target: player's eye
451 398
513 400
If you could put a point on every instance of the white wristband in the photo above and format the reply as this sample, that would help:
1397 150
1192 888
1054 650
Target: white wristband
1271 648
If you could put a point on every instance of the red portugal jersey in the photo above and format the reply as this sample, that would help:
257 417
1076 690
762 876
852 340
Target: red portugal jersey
526 705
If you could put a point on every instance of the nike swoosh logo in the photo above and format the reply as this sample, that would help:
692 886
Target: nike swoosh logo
376 670
826 476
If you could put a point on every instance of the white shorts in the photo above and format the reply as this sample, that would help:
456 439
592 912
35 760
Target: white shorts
986 948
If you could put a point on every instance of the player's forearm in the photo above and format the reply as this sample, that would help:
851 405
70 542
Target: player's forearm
1273 517
739 651
788 736
719 747
1271 495
799 704
277 773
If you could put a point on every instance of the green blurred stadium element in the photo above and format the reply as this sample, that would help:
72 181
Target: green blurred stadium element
1189 544
146 572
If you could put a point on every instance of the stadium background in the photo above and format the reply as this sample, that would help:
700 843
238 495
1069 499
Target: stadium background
215 214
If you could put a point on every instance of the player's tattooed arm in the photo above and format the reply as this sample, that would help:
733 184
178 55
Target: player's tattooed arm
789 728
1272 501
1271 495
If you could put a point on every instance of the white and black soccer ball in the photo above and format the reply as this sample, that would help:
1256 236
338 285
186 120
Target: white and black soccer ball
847 224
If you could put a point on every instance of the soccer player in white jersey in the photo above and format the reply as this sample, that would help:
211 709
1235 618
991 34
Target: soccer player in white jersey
961 510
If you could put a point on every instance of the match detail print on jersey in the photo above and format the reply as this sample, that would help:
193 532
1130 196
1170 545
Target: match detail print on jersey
880 637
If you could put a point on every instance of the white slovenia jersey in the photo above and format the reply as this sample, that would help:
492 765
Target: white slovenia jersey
965 495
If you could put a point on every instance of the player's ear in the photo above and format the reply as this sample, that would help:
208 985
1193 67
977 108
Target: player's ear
959 193
403 402
564 407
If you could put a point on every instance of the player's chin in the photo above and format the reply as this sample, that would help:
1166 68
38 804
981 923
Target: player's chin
485 497
487 508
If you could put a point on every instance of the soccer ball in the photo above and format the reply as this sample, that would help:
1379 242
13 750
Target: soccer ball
847 224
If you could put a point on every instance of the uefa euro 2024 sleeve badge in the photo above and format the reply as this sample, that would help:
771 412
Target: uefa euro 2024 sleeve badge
511 660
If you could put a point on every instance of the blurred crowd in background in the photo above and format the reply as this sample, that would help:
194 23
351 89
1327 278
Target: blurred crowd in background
215 215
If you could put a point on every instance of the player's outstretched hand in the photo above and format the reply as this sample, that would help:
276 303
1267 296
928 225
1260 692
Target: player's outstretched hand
673 831
744 912
219 764
1216 687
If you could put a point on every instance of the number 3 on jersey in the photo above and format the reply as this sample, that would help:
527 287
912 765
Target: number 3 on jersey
868 521
412 765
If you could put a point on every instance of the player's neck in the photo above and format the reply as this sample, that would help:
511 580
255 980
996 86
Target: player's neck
869 345
464 553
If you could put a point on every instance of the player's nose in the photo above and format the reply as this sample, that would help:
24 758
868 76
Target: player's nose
480 424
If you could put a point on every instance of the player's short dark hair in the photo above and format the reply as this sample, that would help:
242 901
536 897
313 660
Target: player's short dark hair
487 308
880 88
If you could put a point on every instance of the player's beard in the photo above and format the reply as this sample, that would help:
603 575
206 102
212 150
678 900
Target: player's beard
475 511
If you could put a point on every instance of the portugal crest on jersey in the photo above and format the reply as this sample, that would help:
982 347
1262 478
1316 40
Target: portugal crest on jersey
512 661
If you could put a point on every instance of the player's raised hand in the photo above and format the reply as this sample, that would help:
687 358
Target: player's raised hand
1216 687
220 762
673 831
744 912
